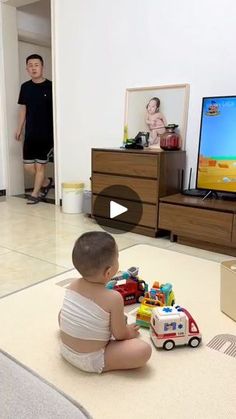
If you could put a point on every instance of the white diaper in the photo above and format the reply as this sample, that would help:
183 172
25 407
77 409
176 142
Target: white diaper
89 362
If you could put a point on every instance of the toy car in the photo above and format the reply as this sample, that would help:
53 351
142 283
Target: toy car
131 291
133 271
164 293
143 315
129 285
171 326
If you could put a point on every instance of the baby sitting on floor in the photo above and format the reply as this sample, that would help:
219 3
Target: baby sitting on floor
93 330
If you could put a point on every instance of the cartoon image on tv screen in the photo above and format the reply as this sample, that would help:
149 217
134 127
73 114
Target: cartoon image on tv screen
217 150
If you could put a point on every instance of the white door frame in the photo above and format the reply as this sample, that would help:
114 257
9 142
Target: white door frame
55 111
3 128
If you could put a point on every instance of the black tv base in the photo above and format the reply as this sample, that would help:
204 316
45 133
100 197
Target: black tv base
195 192
227 196
204 194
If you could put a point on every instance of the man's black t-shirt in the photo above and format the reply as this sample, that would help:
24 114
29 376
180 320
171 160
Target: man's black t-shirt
39 120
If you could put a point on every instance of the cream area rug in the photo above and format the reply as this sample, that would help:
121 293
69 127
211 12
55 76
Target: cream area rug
184 383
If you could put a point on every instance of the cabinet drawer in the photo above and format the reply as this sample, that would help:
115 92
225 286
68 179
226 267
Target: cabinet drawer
148 217
210 226
130 164
145 188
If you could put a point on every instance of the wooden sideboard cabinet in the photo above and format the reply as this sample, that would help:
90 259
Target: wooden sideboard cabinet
151 174
208 224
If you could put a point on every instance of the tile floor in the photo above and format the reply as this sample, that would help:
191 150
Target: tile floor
36 242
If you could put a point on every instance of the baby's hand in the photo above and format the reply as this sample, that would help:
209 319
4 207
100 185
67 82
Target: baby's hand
133 330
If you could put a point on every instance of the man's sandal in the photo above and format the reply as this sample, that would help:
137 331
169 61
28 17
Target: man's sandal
32 200
45 189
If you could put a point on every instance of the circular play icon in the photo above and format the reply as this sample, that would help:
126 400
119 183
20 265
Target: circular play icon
117 209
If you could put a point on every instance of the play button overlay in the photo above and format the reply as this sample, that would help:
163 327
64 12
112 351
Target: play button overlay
117 209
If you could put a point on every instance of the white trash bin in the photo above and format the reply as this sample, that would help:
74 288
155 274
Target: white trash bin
72 197
86 207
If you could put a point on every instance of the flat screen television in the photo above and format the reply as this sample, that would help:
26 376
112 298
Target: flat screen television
216 167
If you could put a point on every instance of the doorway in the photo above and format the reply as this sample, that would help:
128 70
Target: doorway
26 30
34 37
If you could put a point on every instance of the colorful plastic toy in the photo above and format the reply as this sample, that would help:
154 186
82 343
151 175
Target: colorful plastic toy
164 293
172 326
129 285
131 291
143 316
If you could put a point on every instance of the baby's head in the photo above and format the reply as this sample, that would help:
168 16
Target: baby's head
153 105
95 256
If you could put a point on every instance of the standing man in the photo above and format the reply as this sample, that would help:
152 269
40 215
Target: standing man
35 111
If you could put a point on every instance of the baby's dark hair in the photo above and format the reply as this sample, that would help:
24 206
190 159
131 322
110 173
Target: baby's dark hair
93 252
34 57
157 100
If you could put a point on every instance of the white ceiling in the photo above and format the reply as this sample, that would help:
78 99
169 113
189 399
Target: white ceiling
40 8
18 3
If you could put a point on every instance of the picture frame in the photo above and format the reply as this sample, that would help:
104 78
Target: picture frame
174 101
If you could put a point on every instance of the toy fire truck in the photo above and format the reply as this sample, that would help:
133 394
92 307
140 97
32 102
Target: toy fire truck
171 326
129 285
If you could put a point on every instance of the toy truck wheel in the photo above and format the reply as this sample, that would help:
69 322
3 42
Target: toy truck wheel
168 345
194 342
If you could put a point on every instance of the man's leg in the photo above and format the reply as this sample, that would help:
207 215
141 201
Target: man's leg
30 168
39 178
46 181
46 151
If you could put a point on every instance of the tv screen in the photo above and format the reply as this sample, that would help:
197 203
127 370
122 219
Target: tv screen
216 169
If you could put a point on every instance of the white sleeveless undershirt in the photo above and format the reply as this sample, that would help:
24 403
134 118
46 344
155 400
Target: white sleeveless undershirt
84 319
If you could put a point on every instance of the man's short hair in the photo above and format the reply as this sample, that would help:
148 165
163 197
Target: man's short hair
93 252
34 57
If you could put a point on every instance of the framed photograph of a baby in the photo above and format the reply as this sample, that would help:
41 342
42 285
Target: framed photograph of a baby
151 109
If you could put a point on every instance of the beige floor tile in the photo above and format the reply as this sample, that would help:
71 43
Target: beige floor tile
162 242
18 271
44 237
25 230
16 205
200 253
56 250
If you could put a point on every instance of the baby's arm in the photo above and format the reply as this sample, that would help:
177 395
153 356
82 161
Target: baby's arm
119 329
147 119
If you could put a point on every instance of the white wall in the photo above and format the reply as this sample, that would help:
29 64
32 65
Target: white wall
3 168
35 18
103 47
12 158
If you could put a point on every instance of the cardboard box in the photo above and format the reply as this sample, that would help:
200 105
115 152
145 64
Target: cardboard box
228 288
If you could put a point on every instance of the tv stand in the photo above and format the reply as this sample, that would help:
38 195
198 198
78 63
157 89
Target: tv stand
210 194
205 223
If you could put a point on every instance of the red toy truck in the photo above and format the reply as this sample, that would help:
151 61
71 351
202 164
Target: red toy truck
131 290
129 285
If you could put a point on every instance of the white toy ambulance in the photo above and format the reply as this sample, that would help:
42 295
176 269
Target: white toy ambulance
171 326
